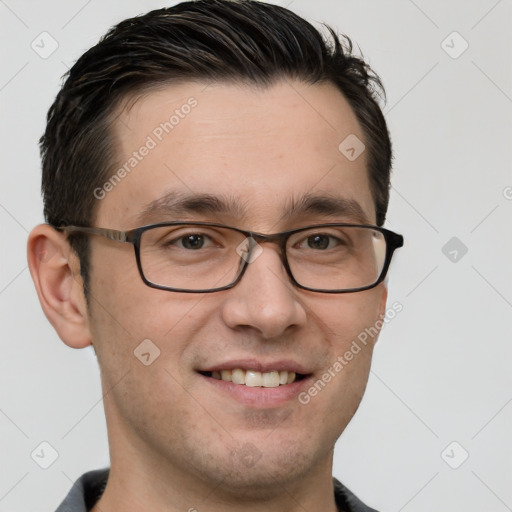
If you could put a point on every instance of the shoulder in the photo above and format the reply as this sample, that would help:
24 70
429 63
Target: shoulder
346 501
85 492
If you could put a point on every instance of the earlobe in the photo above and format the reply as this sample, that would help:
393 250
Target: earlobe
383 301
382 309
55 270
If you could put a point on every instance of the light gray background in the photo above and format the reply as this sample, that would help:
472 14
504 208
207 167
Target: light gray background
442 369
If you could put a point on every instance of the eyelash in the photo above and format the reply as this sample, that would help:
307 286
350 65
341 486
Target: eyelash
175 241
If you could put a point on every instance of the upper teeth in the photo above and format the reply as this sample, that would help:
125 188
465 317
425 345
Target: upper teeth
255 379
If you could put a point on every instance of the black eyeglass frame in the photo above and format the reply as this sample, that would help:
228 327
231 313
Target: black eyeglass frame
133 236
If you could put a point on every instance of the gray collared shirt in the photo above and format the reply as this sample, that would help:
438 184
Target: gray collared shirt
87 490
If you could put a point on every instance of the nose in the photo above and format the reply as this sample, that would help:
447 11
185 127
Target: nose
265 299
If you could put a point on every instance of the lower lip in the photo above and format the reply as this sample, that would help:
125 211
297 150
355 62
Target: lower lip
259 396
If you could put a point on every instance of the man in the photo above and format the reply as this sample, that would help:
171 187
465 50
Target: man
215 178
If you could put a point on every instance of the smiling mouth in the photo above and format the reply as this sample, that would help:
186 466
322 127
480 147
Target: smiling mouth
251 378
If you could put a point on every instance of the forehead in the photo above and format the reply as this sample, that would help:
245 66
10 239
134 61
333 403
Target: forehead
263 149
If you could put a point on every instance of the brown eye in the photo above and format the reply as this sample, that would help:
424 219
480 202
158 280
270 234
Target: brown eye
318 242
193 241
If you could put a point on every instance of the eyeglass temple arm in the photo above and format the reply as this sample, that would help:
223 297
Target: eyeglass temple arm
111 234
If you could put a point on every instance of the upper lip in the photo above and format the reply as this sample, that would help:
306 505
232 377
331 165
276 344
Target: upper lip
258 366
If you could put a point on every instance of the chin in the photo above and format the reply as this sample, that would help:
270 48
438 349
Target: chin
261 468
266 477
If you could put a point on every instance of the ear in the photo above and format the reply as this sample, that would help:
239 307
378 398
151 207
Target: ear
381 308
55 270
383 300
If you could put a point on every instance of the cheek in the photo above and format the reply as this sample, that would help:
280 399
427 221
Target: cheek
141 338
352 316
120 296
350 325
128 317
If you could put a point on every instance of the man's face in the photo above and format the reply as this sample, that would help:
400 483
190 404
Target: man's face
265 148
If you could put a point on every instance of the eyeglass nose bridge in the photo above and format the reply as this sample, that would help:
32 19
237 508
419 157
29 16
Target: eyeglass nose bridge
255 240
253 249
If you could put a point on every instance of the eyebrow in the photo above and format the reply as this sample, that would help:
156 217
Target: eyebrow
325 205
176 205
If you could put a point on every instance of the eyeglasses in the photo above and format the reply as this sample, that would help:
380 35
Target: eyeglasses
203 257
